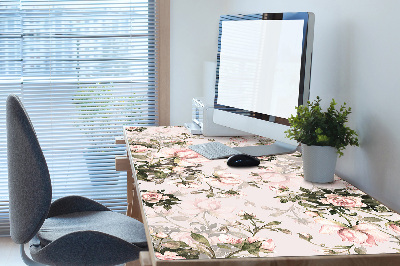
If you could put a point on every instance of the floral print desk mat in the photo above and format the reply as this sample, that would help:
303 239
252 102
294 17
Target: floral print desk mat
198 208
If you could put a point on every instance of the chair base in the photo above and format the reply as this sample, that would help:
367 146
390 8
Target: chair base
26 259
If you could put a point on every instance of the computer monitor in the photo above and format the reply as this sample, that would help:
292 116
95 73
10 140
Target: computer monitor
263 73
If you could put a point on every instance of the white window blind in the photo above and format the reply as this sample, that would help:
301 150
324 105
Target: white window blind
83 69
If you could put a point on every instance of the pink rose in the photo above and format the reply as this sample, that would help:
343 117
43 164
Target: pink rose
224 178
186 154
165 153
365 234
330 229
168 255
161 235
272 175
188 158
373 233
138 148
207 204
178 169
278 188
184 237
352 235
268 245
311 214
187 162
229 181
211 206
348 201
253 239
152 197
230 239
238 140
395 227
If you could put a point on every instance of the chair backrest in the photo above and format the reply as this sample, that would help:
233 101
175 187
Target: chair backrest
29 183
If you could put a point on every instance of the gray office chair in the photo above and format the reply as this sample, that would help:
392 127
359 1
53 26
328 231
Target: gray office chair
70 231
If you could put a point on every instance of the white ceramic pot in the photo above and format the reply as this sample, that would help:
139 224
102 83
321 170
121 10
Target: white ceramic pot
319 163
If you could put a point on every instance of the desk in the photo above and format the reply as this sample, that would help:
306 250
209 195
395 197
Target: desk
202 212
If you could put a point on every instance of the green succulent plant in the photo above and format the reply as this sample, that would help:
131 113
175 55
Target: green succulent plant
312 126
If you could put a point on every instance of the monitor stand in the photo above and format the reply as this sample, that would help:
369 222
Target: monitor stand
265 150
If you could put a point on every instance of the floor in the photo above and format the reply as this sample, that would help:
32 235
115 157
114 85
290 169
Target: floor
9 253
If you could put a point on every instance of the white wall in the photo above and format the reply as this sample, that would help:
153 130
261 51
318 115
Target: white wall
194 41
356 60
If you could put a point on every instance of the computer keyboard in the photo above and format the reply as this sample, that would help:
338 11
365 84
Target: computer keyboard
214 150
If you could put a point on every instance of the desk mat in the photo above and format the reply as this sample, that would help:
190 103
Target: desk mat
198 209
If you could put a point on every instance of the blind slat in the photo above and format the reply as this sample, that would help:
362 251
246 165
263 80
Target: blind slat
83 70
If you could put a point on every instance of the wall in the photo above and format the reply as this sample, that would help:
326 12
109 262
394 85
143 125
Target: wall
355 60
194 41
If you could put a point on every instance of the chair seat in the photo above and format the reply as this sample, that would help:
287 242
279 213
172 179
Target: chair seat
108 222
77 231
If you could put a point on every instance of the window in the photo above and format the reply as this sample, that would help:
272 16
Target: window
83 69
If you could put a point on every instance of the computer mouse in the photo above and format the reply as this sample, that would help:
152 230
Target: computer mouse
240 160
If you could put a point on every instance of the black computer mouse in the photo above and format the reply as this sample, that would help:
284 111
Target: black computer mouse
240 160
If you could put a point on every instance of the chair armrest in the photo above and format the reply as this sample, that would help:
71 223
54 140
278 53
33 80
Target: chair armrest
72 204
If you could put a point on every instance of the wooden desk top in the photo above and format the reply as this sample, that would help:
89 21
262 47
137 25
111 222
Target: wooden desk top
198 209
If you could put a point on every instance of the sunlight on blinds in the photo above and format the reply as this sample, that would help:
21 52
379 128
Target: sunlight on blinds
83 69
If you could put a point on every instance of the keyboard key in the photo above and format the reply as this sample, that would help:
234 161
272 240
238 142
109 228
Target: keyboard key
214 150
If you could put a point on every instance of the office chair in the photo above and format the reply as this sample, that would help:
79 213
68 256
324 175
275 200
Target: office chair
70 231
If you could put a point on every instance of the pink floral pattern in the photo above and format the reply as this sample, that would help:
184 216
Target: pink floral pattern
152 197
198 209
338 200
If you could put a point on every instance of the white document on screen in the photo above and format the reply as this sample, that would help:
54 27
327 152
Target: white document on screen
260 63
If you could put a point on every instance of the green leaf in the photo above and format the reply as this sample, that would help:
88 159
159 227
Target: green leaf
305 237
142 175
371 219
361 250
285 231
231 192
274 223
306 205
139 157
333 211
382 208
172 244
201 239
183 244
284 200
190 177
254 251
223 246
251 247
210 195
160 175
188 253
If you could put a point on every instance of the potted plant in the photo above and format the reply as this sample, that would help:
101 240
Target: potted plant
323 135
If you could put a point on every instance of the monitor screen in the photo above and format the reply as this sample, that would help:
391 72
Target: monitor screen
263 71
260 63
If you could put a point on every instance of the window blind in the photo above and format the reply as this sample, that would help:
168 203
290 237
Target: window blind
83 69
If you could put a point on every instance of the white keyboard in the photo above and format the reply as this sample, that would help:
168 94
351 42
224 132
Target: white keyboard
214 150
